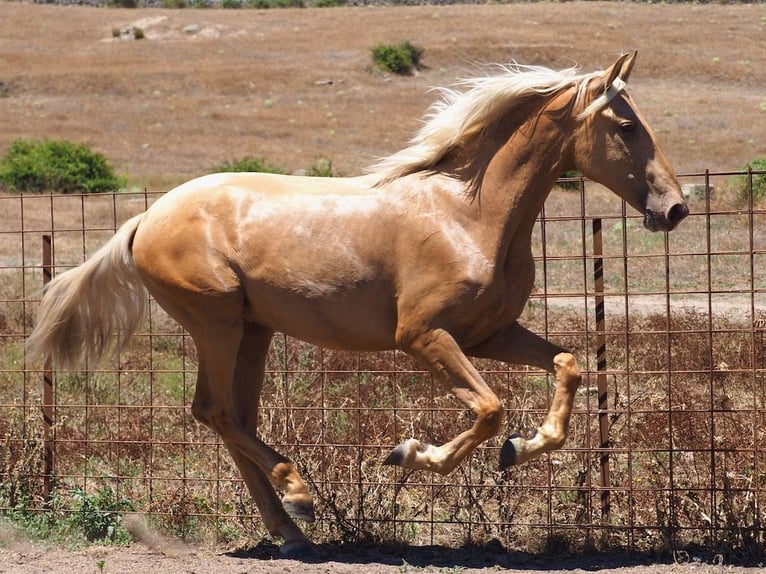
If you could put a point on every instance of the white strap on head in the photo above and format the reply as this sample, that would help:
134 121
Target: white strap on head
617 86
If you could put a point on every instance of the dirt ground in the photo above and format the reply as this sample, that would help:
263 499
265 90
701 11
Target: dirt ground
208 86
336 559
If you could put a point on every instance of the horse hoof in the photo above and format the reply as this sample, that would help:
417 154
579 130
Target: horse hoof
508 454
396 458
399 455
296 549
300 510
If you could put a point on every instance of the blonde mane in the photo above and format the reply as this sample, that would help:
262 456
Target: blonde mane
462 114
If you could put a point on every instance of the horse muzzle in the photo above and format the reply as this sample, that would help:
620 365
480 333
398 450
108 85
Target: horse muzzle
667 220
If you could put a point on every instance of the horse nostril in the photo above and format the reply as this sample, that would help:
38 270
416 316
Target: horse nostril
677 213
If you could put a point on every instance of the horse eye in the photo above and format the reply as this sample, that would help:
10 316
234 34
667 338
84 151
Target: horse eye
627 127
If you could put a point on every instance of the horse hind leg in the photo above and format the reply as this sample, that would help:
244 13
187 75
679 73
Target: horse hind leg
248 383
232 359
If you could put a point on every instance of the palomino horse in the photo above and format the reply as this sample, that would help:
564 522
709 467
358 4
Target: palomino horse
430 254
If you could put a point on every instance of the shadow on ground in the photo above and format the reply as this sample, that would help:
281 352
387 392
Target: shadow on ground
493 554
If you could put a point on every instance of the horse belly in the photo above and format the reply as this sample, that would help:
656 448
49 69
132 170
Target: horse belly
348 319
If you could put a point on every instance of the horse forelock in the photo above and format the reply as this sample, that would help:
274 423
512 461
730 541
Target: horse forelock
464 112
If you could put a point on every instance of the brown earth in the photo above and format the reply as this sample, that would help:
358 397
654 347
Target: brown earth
208 86
339 560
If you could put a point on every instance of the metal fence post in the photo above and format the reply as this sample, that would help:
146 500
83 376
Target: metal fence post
601 378
48 440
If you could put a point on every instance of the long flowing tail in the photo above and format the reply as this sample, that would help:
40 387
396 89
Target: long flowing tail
93 308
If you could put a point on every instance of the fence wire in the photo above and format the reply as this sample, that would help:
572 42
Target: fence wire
666 444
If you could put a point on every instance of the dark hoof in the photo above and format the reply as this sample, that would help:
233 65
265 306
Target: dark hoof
300 510
296 549
397 456
508 456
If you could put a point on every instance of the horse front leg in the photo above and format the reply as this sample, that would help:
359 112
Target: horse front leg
444 358
518 345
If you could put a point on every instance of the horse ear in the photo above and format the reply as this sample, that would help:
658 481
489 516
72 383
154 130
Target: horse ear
621 68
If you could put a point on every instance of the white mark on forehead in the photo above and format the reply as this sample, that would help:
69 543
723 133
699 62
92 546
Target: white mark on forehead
617 86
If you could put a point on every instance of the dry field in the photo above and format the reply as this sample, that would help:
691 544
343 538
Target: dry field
295 85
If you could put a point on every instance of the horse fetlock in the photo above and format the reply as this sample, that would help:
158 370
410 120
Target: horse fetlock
416 455
284 477
552 439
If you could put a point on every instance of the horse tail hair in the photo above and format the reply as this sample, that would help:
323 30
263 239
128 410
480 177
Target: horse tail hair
94 308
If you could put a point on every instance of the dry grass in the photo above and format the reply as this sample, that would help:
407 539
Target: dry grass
685 390
252 82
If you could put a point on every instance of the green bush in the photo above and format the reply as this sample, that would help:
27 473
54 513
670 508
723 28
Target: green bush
262 4
52 165
100 516
742 183
322 168
249 164
398 59
570 185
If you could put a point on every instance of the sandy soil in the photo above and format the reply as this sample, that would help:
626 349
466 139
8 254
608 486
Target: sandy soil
339 559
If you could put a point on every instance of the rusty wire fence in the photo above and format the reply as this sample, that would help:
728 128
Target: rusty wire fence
667 439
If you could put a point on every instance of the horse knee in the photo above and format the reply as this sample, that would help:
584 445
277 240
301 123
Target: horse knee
566 366
491 417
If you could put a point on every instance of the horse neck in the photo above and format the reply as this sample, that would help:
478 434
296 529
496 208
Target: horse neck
528 160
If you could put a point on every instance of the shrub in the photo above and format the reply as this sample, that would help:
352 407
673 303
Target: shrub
570 185
398 59
99 516
322 168
250 164
742 184
52 165
262 4
231 4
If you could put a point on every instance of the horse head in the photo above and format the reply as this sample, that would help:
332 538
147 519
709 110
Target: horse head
614 146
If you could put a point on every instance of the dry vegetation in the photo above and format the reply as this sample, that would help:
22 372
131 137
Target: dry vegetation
295 85
685 389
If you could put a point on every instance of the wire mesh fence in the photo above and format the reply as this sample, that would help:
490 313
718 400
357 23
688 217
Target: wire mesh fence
666 444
